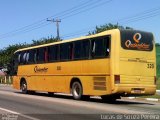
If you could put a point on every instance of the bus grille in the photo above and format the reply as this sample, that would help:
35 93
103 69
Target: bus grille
99 83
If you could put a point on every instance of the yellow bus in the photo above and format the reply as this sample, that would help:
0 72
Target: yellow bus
110 64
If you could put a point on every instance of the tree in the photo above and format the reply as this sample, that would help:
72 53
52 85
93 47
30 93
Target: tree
107 27
6 54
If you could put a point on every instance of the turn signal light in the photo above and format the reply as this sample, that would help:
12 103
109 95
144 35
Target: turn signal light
117 79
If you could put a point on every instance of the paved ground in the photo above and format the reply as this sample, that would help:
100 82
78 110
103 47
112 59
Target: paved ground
41 106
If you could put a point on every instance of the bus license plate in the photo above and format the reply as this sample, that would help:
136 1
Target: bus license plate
137 91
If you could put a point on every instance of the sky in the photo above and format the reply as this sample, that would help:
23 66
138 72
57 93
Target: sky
22 21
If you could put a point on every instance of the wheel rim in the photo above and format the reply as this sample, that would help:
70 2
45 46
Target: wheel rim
77 90
24 86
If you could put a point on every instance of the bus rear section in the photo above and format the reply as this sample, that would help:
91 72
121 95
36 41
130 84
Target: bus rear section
137 64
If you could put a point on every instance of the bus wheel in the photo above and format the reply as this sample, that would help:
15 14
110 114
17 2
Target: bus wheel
24 87
77 90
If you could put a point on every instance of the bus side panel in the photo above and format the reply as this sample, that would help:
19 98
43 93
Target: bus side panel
47 83
55 77
56 84
95 85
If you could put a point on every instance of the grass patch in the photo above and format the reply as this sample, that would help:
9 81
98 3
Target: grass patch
158 84
152 96
158 60
156 95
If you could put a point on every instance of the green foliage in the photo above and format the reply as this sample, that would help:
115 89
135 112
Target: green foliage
158 84
43 41
7 53
158 59
107 27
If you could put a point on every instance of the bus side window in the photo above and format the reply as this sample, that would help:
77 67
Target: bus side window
100 47
53 53
97 47
19 58
31 56
40 55
77 50
46 56
66 51
85 49
27 57
22 57
106 47
71 52
93 48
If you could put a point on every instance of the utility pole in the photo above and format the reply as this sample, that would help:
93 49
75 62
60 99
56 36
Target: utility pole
57 25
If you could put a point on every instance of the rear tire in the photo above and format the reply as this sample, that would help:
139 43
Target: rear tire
77 90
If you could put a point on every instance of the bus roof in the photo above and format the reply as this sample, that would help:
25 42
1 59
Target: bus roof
107 32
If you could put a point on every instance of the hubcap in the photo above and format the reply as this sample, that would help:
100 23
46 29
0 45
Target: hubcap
76 90
24 87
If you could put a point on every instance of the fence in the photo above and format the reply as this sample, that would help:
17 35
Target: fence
6 80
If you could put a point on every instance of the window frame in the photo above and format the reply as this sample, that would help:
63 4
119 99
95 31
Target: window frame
73 51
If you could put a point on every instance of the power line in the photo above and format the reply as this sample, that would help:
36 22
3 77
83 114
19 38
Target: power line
134 18
87 9
41 23
73 9
83 31
140 16
24 29
78 9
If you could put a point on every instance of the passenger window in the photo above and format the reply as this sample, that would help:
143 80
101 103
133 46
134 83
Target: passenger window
53 52
31 56
81 49
77 50
21 57
66 51
41 55
85 49
106 46
100 47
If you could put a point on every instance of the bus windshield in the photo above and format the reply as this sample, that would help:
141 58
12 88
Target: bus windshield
136 40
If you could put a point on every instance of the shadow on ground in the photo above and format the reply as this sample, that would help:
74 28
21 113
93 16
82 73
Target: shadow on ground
98 100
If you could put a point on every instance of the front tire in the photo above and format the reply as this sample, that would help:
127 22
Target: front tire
24 87
77 90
